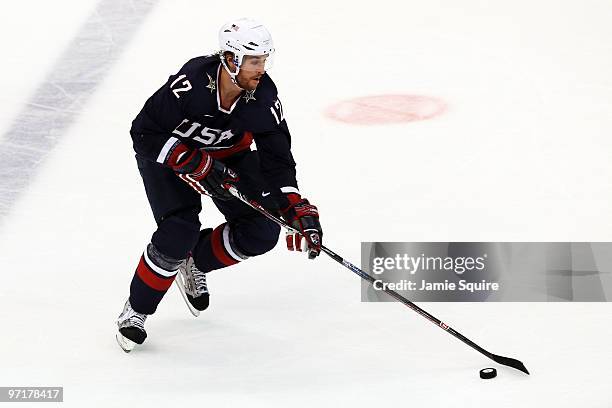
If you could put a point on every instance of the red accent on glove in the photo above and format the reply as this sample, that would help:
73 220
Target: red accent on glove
179 152
289 239
203 168
293 198
193 163
192 183
304 217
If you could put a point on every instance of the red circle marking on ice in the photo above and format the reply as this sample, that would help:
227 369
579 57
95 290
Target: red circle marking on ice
383 109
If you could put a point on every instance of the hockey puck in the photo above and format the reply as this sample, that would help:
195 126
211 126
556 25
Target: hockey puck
487 373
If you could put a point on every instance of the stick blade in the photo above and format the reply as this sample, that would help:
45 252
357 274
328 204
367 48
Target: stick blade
510 362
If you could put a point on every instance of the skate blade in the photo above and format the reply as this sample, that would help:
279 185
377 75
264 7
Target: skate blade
126 344
180 283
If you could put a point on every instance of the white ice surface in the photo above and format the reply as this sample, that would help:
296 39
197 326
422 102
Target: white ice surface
523 154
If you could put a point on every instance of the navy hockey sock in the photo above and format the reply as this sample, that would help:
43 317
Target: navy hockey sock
154 275
229 244
215 250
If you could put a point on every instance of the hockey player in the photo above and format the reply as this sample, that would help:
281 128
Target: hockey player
192 138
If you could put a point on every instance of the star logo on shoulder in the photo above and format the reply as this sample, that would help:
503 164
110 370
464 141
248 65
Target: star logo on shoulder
211 83
249 96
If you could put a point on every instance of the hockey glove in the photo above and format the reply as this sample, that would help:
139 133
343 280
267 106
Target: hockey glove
304 217
204 174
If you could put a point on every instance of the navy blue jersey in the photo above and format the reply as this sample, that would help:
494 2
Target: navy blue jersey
187 109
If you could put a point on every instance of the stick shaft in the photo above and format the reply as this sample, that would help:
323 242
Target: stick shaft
365 276
406 302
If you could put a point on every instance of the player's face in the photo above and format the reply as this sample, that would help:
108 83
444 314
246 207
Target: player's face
251 71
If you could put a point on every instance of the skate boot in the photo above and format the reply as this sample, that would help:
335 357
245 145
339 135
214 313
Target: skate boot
192 284
131 328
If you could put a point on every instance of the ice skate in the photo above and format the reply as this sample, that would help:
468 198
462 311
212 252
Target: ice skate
131 328
192 285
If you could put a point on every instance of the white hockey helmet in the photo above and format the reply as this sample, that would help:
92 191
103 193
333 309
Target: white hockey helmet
244 37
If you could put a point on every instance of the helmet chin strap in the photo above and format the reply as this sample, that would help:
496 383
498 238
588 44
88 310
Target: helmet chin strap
231 74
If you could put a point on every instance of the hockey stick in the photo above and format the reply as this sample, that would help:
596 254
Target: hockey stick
507 361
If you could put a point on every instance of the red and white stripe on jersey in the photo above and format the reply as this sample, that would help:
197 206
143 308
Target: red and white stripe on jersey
167 150
174 147
290 190
243 144
152 275
222 248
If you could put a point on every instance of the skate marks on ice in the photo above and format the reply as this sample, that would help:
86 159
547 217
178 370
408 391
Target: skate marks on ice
61 96
386 109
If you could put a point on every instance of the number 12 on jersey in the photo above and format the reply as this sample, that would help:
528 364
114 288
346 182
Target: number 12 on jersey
277 111
186 86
